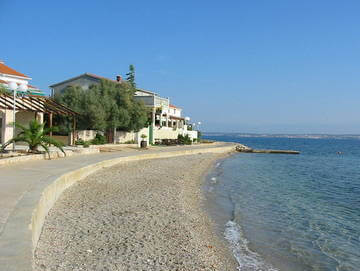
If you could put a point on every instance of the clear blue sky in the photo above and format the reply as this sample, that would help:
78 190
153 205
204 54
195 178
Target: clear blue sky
275 66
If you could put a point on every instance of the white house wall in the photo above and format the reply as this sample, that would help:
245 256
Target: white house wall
7 78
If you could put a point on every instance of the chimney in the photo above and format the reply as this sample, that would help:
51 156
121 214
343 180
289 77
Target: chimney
118 78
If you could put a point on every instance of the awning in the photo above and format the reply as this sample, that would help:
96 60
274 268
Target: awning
176 118
35 103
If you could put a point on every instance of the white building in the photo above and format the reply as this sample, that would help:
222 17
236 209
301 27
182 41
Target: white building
8 75
166 119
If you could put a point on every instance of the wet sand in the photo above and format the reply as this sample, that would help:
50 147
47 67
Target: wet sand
145 215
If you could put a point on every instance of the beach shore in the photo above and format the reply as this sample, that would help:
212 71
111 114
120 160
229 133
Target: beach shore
145 215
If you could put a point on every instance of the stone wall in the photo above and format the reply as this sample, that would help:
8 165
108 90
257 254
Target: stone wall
123 136
166 133
86 135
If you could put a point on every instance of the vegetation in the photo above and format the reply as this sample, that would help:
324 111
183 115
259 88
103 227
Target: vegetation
184 140
35 135
206 141
131 76
98 140
104 107
4 90
79 142
86 144
129 142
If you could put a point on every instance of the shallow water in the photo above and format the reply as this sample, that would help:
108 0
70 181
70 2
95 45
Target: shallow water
290 212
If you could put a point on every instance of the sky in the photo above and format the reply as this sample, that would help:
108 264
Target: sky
256 66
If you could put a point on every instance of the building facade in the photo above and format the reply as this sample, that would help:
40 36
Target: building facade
166 119
8 75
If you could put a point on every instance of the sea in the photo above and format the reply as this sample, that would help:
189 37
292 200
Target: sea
283 212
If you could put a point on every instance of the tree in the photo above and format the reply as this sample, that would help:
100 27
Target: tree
4 90
131 76
35 136
106 106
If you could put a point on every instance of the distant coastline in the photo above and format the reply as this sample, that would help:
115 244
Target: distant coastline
305 136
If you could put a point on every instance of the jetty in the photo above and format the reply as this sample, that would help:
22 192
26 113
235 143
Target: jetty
243 148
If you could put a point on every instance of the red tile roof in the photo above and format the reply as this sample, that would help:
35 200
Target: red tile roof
7 70
101 77
85 74
173 106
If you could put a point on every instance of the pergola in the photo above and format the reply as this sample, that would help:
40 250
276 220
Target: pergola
37 104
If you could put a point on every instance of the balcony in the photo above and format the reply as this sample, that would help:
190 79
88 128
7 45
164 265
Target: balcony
153 101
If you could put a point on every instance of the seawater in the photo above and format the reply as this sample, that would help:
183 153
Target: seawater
290 212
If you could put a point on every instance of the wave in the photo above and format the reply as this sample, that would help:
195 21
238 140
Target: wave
247 259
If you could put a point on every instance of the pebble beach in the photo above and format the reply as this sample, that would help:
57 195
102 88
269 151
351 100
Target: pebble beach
145 215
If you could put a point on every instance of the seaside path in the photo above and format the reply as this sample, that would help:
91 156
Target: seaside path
21 186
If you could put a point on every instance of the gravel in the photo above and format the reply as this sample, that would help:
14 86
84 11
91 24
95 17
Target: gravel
144 215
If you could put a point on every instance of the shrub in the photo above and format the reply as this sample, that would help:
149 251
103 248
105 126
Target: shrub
79 142
35 136
98 140
184 140
86 144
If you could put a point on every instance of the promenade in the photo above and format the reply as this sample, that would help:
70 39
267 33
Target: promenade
22 184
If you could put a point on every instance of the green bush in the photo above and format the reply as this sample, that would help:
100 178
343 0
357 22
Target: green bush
98 140
184 140
79 142
86 144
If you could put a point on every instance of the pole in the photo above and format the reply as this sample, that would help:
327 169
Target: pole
14 106
114 139
51 123
74 131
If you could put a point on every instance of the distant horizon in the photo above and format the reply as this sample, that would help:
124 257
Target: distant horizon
280 134
274 66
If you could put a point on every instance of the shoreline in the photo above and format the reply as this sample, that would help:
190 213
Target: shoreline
176 204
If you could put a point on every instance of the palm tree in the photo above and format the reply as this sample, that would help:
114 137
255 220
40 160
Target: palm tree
35 136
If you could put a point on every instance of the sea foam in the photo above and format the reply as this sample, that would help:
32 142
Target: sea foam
247 259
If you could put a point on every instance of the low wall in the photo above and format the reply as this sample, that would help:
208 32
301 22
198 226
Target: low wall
86 135
52 192
166 133
44 156
122 136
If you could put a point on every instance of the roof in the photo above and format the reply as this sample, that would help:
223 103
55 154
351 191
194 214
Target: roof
100 78
146 91
81 75
35 103
7 70
173 106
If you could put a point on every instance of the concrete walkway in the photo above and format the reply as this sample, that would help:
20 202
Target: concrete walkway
21 186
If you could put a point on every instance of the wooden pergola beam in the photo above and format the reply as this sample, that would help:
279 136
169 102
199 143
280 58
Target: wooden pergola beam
37 104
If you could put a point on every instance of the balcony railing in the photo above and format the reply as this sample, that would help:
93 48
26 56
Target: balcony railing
153 101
